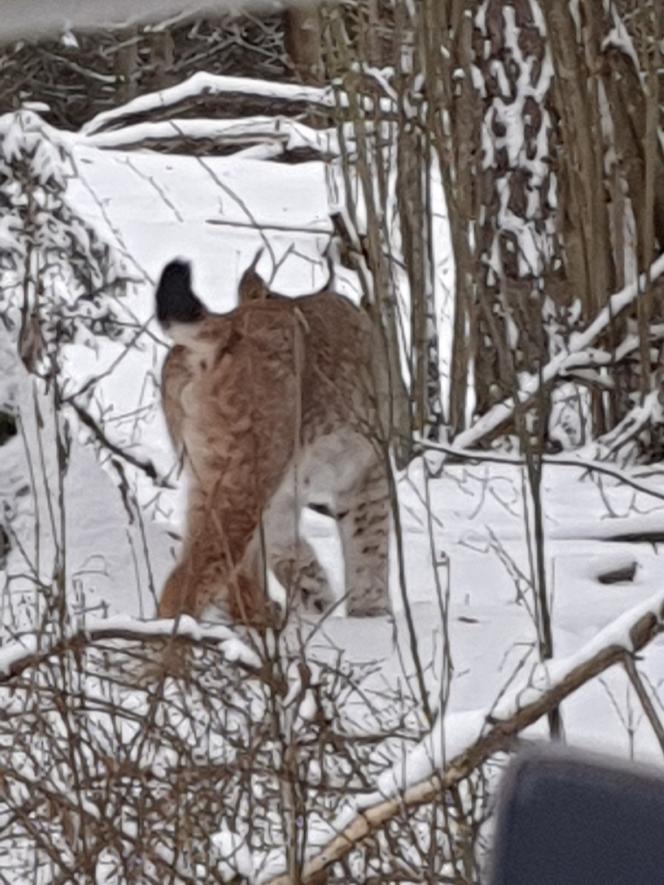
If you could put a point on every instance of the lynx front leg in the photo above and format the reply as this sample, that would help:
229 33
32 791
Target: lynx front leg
364 526
290 556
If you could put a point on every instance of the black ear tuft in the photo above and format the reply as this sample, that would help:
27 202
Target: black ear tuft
176 302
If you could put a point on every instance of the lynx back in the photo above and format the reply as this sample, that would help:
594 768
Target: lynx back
274 406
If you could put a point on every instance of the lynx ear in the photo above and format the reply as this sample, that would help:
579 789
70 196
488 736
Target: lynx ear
252 287
179 309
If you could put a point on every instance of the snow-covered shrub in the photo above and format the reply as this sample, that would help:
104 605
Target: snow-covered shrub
57 275
59 285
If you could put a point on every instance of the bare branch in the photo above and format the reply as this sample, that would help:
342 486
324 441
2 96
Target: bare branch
463 454
146 467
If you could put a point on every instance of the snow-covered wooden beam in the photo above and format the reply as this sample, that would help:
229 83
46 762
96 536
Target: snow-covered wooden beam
228 94
229 98
264 137
482 734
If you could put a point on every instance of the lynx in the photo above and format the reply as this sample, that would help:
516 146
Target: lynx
276 405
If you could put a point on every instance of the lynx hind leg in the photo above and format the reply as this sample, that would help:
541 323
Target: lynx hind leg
364 526
213 571
209 590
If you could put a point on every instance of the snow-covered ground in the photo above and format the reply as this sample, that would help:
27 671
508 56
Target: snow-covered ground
157 207
467 553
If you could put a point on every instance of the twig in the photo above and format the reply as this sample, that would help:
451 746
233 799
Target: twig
644 698
146 467
552 461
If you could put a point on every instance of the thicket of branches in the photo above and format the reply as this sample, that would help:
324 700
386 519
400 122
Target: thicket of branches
80 75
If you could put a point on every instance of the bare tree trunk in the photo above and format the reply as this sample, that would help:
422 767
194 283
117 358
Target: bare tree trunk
126 64
302 40
162 57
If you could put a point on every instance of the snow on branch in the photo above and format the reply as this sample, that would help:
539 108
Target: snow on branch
594 357
564 360
424 774
627 430
31 650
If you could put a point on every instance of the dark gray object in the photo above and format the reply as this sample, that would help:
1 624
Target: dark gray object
565 818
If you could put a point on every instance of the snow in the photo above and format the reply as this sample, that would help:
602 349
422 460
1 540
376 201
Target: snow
231 846
456 732
217 212
213 211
